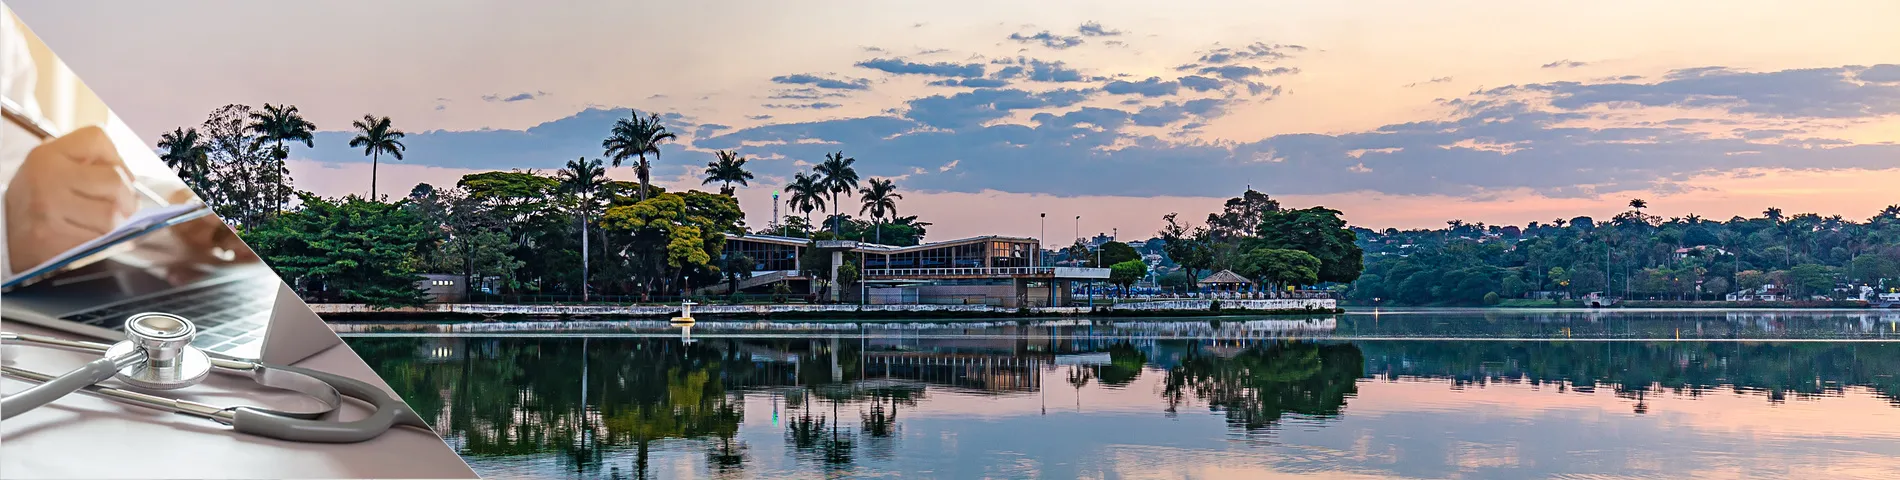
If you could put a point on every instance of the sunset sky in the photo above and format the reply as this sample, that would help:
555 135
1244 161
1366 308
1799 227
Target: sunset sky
1400 113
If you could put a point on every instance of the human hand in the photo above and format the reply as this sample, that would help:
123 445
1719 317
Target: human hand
207 239
66 192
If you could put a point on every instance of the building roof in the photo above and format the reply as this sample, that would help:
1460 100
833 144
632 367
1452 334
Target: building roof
869 247
1226 277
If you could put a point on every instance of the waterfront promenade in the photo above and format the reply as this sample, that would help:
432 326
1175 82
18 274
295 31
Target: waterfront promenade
1286 305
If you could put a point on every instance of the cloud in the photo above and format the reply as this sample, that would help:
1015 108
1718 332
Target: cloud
949 166
1565 64
1152 87
1256 51
1038 70
1199 83
822 82
804 106
1517 139
982 105
758 117
1434 80
544 146
1797 93
1240 72
710 129
1095 29
804 93
970 82
1886 73
519 97
898 66
1058 42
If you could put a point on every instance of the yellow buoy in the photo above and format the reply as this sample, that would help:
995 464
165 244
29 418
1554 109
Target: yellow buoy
686 313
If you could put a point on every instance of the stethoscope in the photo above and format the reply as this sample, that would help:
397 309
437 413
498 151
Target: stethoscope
157 355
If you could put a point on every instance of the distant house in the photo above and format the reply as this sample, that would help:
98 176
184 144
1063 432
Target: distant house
442 287
1764 293
1700 250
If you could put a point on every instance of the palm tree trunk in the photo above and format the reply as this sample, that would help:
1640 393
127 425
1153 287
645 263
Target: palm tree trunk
373 160
584 257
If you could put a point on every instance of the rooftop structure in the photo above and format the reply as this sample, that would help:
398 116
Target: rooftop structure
987 269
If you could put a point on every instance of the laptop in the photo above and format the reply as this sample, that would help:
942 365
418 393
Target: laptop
241 310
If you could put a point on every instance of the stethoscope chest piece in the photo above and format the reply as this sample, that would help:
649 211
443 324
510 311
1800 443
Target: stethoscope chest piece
170 362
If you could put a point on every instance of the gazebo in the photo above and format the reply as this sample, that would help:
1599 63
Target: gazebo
1226 281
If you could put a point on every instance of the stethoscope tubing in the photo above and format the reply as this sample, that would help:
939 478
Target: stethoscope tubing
389 411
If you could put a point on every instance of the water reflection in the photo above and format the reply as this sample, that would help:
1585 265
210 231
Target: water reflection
1102 406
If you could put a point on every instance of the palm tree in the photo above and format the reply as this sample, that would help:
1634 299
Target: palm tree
376 138
187 153
635 138
1638 204
729 169
880 199
583 178
1773 214
837 176
281 123
807 194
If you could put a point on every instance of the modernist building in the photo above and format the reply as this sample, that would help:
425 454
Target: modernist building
991 270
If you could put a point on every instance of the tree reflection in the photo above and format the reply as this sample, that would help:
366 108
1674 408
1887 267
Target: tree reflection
1258 385
580 402
1773 370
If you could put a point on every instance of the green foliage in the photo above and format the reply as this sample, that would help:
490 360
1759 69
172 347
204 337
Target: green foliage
348 250
1492 298
1277 267
1127 272
1113 253
1636 256
1318 231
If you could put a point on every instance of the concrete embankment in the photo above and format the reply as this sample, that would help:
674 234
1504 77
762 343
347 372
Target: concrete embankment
1161 308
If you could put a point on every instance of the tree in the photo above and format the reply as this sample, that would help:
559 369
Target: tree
1638 204
349 250
1241 216
636 137
880 200
1320 232
279 124
836 175
1278 267
1811 279
237 162
807 194
1187 246
1111 253
376 137
581 180
186 153
736 267
1126 273
687 231
728 169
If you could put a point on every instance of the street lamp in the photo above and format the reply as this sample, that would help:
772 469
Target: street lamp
1042 235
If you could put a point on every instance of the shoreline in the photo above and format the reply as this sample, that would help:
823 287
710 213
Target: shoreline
840 315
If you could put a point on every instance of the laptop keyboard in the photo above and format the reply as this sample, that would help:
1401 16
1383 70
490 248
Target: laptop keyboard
230 317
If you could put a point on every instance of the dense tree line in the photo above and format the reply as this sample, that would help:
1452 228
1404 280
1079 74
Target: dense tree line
1254 236
572 232
1633 255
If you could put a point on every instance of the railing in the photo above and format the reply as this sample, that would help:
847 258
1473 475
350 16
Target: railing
958 272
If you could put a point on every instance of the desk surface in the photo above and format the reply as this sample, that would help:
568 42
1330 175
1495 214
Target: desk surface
83 436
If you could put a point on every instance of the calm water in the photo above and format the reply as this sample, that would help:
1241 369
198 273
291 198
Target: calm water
1412 394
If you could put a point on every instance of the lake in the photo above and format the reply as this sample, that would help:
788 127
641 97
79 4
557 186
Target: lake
1419 393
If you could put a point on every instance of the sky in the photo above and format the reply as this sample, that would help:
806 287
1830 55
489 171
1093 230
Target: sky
987 114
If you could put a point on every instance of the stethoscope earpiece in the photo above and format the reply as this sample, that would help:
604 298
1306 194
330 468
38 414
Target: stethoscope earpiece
163 343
